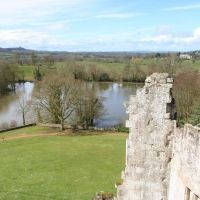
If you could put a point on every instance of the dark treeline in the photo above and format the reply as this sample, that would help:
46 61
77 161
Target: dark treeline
90 71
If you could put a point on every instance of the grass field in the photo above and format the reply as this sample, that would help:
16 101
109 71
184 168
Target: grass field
102 65
60 167
28 72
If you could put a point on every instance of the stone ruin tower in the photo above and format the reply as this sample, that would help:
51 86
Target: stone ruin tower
149 146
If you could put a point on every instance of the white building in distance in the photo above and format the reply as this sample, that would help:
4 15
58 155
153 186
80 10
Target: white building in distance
185 56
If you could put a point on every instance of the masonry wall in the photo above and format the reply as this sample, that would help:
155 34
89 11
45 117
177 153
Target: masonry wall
185 170
162 161
149 146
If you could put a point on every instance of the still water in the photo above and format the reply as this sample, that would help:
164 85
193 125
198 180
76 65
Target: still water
115 95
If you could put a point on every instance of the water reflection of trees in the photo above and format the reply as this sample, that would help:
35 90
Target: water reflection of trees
103 86
114 92
131 88
6 101
10 98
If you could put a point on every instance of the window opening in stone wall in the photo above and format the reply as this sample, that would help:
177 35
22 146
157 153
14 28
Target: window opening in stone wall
195 197
187 194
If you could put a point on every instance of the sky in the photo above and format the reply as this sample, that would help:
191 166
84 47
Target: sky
100 25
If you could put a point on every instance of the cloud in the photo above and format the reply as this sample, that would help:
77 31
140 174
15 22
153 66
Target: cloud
175 41
195 6
31 12
163 38
28 38
115 15
197 33
56 27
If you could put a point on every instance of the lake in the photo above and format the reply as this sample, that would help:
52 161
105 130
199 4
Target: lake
115 95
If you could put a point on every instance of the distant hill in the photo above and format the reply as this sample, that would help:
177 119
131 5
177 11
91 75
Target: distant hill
23 50
19 49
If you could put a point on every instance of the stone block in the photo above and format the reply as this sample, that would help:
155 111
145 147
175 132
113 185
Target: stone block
167 116
169 80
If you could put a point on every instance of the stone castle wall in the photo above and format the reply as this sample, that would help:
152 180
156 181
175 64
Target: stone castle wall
185 168
157 154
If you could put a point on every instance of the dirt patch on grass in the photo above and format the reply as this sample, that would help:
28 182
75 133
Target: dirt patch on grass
64 133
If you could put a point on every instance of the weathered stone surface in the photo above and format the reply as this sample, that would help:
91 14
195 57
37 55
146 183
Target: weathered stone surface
161 160
185 167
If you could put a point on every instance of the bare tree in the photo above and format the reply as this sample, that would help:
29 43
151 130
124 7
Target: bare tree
93 72
33 58
23 105
76 69
57 95
88 107
17 59
49 60
186 91
169 63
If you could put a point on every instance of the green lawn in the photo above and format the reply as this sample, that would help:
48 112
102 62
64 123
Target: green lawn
28 72
102 65
196 64
60 167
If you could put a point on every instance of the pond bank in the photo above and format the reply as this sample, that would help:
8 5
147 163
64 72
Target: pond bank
18 127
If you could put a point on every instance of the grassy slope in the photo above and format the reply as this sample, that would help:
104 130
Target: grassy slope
60 167
195 65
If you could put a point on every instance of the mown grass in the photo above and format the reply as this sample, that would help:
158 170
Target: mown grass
195 65
27 130
60 167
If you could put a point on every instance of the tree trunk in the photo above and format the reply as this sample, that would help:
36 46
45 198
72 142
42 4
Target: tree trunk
92 122
62 125
24 122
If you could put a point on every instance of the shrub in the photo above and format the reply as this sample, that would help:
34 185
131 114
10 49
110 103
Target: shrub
123 129
119 182
104 196
5 125
13 124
